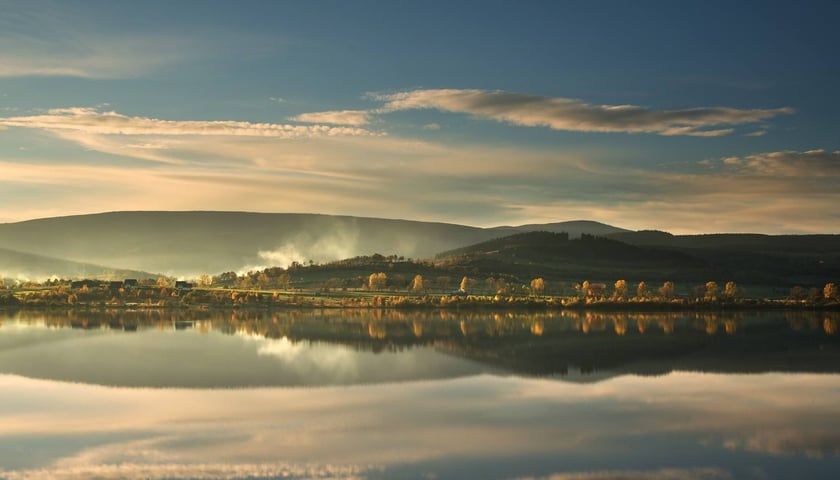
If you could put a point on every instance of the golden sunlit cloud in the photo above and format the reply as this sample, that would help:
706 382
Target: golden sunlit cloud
337 117
90 120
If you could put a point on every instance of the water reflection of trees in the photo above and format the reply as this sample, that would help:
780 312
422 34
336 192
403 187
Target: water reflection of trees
536 342
424 326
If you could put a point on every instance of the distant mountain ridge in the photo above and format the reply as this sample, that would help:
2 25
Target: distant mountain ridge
193 242
186 244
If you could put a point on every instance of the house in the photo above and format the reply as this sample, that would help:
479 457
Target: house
130 283
182 285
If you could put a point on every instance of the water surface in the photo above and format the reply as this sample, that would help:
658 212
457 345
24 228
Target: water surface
419 395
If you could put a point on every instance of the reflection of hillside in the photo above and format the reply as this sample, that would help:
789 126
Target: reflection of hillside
536 343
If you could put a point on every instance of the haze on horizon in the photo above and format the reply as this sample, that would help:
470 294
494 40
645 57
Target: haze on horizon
694 117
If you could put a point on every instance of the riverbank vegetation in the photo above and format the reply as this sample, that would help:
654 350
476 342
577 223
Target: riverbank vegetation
397 289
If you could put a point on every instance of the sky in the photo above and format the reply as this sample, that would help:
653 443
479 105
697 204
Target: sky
689 117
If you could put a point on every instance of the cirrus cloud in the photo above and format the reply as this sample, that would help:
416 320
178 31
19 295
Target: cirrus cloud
788 163
335 117
575 115
90 120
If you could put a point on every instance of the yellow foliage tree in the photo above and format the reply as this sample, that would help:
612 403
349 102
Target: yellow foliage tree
620 292
667 290
537 286
377 281
830 291
642 290
417 284
711 290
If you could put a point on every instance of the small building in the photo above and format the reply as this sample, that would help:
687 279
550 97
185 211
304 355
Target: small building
182 285
130 283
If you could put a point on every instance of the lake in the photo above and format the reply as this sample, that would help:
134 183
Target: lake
430 395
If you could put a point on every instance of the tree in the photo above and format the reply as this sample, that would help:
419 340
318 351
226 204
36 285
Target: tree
642 290
537 286
204 280
620 292
417 285
584 288
732 291
830 291
162 282
377 281
465 283
667 290
711 291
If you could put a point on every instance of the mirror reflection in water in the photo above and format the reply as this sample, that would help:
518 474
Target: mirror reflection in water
388 394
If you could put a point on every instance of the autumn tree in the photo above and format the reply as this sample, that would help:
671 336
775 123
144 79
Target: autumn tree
204 280
830 291
642 290
711 291
667 290
584 289
417 285
537 286
377 281
620 292
465 284
732 291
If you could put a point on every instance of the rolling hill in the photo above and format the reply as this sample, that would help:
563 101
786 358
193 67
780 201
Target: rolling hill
753 258
190 243
557 256
19 265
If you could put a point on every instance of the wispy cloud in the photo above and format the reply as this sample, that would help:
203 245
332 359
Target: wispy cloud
335 117
575 115
663 474
57 50
196 471
89 120
811 163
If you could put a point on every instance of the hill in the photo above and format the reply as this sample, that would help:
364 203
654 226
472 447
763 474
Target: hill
557 256
190 243
753 258
19 265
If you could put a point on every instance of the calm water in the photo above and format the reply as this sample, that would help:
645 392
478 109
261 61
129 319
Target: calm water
367 394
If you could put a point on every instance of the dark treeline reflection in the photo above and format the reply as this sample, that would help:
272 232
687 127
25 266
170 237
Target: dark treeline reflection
537 343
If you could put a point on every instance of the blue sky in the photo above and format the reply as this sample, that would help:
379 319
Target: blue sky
681 116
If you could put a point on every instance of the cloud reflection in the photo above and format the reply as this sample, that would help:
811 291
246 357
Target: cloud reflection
420 425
